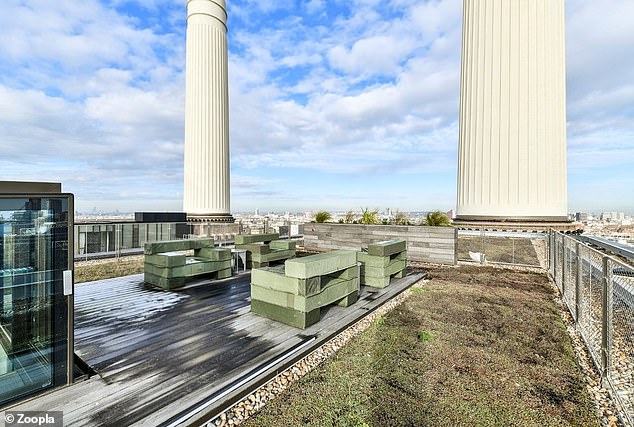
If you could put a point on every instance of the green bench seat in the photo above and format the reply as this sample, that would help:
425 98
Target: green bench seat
383 261
166 267
295 293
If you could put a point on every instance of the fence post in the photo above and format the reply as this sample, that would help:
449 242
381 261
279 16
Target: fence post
482 245
563 269
557 258
551 254
554 249
548 262
604 319
455 244
118 240
578 281
562 261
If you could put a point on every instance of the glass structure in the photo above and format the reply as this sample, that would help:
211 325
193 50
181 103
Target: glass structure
103 239
35 315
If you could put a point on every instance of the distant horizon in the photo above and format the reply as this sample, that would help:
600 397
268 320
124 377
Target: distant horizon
333 105
301 211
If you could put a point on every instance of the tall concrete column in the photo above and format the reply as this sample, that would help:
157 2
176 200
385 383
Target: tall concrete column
207 185
512 152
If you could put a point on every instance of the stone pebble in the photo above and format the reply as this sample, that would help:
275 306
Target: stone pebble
605 406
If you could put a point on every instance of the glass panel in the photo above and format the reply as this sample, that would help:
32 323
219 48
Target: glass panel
33 328
152 233
127 239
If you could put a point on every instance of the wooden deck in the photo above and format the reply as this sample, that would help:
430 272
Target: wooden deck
159 353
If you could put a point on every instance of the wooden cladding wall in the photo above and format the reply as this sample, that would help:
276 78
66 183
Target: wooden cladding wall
424 244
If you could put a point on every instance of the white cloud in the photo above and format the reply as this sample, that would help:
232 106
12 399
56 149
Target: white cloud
86 97
314 6
373 55
91 95
346 114
600 91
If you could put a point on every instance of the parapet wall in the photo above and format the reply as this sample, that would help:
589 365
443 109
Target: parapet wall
424 244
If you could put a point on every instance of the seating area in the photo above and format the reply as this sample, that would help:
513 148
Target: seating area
166 267
316 280
382 261
264 249
296 292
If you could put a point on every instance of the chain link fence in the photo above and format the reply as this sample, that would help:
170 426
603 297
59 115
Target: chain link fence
599 293
502 247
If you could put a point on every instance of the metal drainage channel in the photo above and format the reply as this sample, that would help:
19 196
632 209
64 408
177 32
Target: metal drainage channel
610 246
263 374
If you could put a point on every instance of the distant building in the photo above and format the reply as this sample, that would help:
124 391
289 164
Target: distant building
613 216
582 217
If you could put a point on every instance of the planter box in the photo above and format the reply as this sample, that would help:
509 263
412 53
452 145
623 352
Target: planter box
423 244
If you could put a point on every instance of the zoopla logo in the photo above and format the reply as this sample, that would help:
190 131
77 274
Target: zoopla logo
34 418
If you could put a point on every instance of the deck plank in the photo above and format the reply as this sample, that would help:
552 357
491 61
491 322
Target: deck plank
159 352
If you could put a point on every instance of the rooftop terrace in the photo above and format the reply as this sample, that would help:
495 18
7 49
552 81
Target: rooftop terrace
472 339
158 354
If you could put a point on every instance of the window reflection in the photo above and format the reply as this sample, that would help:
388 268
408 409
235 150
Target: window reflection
33 245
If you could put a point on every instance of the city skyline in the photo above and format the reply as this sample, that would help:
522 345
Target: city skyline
333 105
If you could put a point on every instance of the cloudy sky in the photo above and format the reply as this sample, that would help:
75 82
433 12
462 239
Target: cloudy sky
334 104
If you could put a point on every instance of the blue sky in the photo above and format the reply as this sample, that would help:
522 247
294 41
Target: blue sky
334 104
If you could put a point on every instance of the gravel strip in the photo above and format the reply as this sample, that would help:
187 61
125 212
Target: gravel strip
605 406
251 404
503 266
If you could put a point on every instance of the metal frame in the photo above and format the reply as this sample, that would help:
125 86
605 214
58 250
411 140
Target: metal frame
43 193
514 219
482 234
613 247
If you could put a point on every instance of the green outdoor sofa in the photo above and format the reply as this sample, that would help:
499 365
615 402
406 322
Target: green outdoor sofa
166 267
383 261
263 249
295 292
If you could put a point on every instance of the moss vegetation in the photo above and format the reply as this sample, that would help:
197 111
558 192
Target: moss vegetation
107 270
479 347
